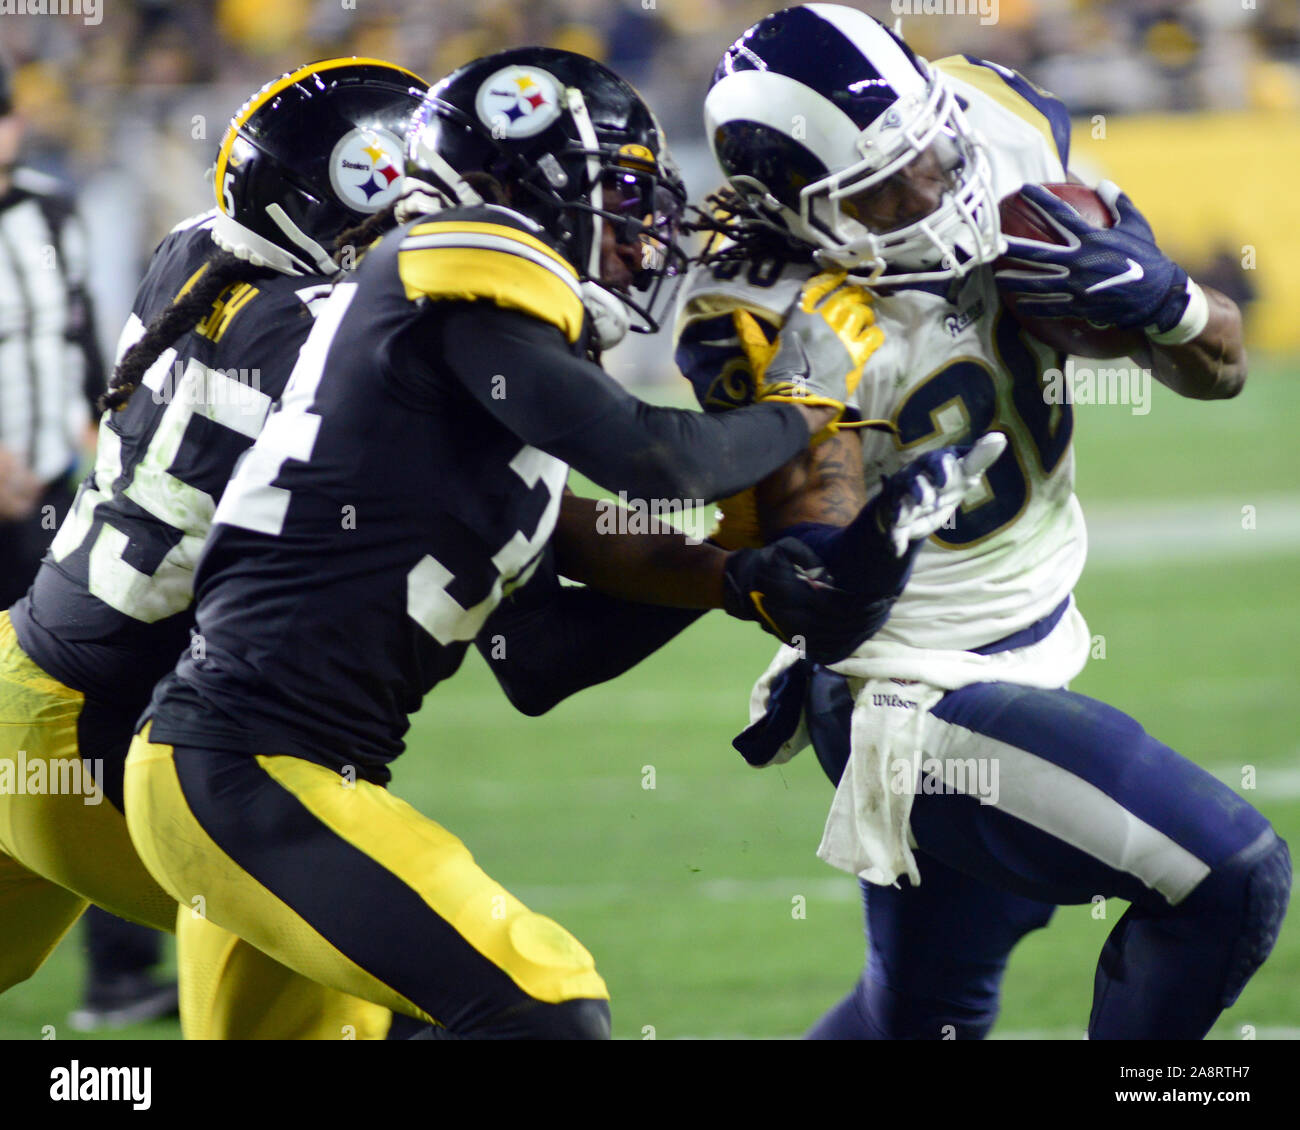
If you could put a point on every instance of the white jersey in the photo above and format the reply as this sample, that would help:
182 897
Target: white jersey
947 372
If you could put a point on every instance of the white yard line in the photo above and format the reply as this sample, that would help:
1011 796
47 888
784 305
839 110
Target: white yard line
1194 530
1271 781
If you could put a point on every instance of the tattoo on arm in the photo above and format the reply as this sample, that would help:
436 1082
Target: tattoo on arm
824 484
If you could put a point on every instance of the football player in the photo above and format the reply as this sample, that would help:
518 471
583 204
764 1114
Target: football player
410 478
842 147
225 306
228 299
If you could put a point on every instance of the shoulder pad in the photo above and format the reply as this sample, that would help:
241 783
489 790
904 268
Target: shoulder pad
765 289
492 254
1043 112
201 220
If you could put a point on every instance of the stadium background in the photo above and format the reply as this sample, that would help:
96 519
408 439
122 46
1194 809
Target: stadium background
624 813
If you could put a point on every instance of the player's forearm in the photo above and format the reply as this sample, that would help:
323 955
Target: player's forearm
520 372
1212 366
658 567
575 639
824 484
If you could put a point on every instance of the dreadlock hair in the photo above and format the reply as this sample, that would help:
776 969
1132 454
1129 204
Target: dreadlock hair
360 236
372 227
185 312
736 232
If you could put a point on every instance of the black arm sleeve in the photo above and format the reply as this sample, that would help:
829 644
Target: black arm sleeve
519 369
549 641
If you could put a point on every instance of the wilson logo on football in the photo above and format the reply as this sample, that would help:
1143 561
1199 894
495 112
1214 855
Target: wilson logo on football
518 101
366 169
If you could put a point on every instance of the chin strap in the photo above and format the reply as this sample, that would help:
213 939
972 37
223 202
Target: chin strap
419 196
608 313
577 107
243 243
323 260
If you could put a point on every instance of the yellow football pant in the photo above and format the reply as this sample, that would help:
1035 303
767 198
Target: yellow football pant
346 884
59 853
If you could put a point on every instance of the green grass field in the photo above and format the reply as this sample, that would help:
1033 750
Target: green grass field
686 891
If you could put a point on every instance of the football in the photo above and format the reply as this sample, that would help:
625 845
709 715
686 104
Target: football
1070 335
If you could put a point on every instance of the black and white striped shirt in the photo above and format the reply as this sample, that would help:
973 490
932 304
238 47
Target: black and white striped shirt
51 370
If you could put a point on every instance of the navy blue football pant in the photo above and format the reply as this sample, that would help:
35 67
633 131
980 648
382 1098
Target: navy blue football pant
1086 804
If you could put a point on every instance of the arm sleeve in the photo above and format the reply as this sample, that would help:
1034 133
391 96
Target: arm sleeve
549 641
520 369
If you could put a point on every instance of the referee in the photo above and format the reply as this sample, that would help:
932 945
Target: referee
51 372
51 375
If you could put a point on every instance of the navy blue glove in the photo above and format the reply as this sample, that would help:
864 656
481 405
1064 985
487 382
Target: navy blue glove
1114 276
871 558
873 554
787 589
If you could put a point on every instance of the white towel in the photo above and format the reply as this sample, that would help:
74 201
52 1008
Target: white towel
867 831
868 828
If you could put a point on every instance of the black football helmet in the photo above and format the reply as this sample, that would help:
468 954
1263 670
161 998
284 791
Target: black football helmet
310 154
574 147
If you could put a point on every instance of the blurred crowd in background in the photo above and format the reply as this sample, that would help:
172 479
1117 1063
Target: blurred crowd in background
129 110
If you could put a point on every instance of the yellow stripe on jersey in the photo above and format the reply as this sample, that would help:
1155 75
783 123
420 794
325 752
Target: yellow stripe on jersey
189 284
467 262
988 81
263 96
500 231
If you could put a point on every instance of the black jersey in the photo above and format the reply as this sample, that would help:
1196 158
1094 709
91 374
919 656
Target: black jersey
411 477
110 609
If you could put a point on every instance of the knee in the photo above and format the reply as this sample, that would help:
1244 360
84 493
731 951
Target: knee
1267 881
1247 896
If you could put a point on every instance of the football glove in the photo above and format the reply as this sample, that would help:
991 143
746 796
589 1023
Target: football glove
786 588
921 498
826 337
1114 276
872 556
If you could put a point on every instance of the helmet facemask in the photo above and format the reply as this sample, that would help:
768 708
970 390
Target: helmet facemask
642 199
962 233
571 146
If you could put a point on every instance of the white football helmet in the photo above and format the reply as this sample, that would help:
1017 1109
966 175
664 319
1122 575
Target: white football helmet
815 105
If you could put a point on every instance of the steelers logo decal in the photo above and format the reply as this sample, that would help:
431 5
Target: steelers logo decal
518 102
366 169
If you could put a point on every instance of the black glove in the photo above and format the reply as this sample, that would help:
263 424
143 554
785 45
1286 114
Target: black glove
787 589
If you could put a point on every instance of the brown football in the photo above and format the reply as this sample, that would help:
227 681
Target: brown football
1070 335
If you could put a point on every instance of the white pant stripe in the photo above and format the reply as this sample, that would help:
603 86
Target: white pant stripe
1055 801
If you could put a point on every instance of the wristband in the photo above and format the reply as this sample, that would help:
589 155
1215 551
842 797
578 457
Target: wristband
1193 322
